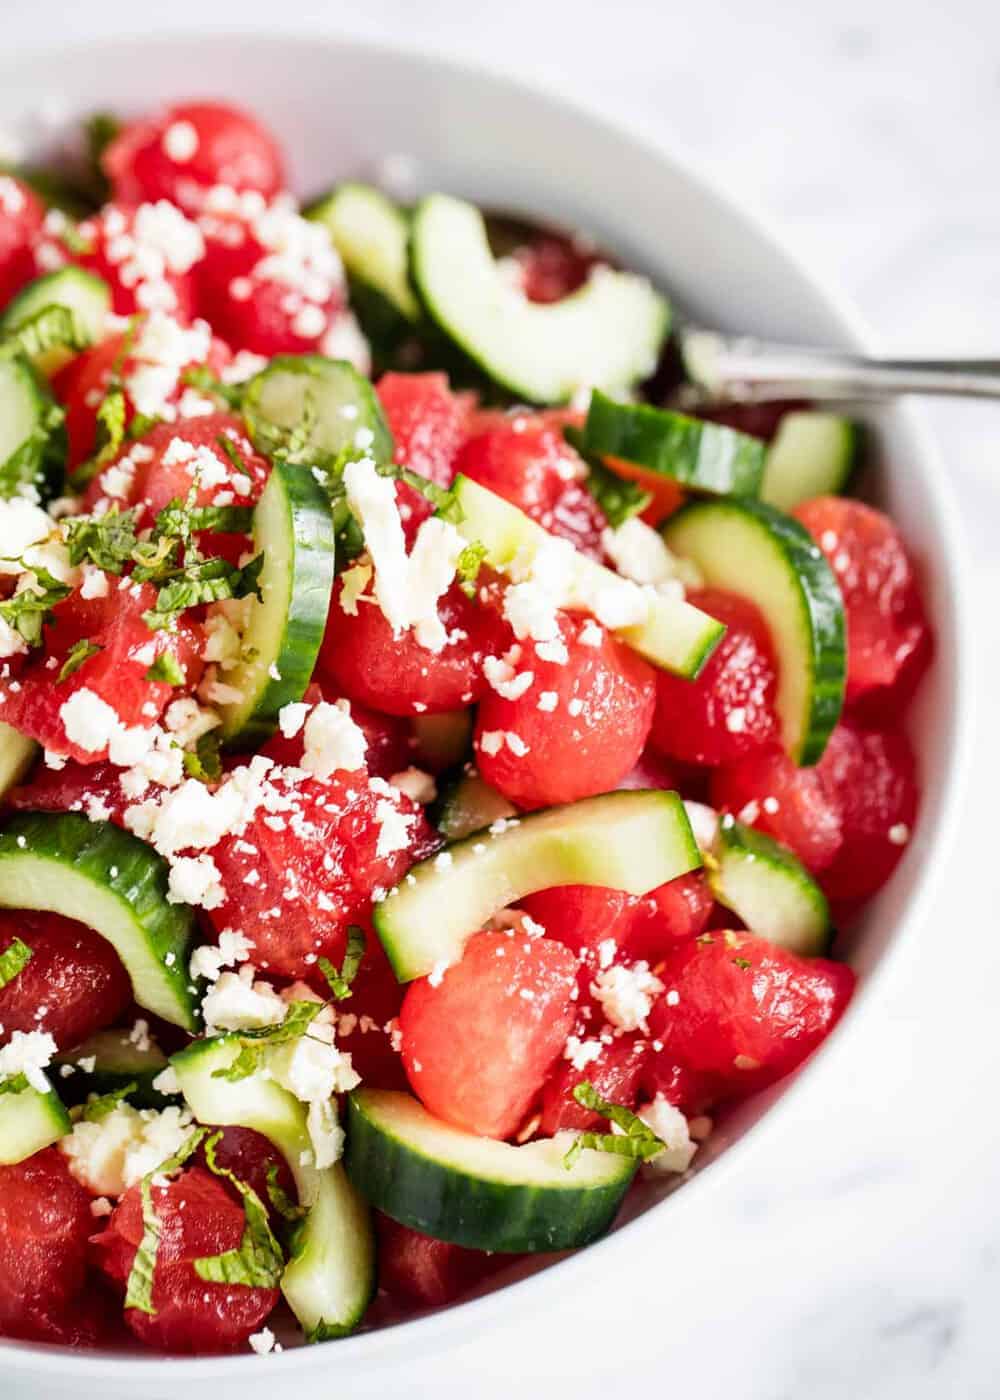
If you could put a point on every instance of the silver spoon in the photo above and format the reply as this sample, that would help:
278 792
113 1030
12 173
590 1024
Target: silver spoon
743 370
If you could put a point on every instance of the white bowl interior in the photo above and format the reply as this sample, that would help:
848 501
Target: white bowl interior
340 108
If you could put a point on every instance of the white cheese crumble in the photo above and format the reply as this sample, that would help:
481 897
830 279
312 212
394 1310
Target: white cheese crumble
28 1053
195 880
237 1002
333 741
626 994
671 1127
416 784
125 1145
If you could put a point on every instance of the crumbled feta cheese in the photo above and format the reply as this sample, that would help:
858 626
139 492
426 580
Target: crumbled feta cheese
415 783
89 721
292 717
506 680
195 880
899 834
671 1127
116 1152
736 720
332 741
95 582
581 1053
237 1002
263 1341
491 741
638 552
180 141
626 994
394 828
548 700
28 1053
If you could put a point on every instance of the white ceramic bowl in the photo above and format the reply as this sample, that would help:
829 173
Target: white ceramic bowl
340 107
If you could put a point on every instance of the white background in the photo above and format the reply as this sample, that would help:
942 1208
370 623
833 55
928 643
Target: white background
857 1254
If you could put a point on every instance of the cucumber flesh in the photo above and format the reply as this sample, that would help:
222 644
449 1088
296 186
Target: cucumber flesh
30 1121
117 1062
752 549
608 333
330 1278
631 841
371 235
17 754
707 458
87 296
674 635
469 804
114 883
476 1191
340 402
32 438
769 888
293 528
813 454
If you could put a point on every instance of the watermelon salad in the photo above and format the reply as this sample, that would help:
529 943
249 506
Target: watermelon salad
433 767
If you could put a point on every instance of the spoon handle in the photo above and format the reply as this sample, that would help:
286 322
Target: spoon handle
753 371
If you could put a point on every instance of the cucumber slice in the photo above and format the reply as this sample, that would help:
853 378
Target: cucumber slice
117 1062
769 889
476 1191
17 754
752 549
330 1278
87 296
32 437
469 804
441 741
675 636
293 528
608 333
371 235
114 883
30 1121
813 454
295 391
630 841
707 458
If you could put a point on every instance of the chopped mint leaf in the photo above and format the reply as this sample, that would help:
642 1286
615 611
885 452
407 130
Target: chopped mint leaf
99 1107
254 1044
28 611
204 581
340 982
14 959
110 436
105 540
15 1085
79 652
233 453
258 1261
166 668
141 424
204 763
636 1139
139 1289
744 964
198 377
177 521
280 1199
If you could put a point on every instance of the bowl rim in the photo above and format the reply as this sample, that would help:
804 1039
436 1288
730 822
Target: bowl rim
425 1332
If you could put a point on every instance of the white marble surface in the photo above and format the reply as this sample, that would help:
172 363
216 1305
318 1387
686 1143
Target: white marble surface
859 1252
